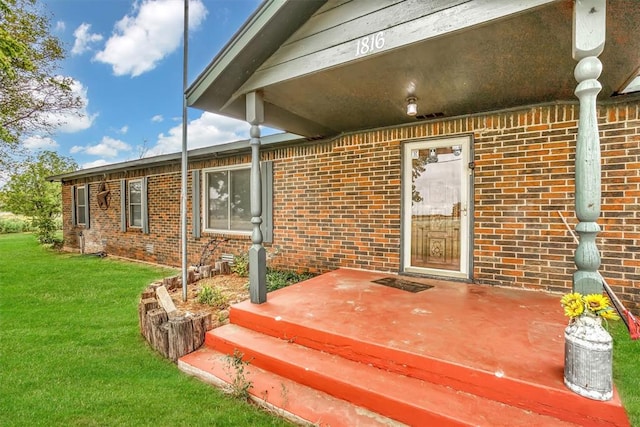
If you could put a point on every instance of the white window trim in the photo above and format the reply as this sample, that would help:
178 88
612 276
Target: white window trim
129 214
80 204
205 200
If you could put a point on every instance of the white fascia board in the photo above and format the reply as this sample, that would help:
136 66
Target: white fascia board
238 42
634 86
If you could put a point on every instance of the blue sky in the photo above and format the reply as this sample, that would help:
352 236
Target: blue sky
126 61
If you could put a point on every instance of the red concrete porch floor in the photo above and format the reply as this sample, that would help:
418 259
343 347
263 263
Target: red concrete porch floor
340 350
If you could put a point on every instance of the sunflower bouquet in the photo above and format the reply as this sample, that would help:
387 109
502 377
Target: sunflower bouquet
592 305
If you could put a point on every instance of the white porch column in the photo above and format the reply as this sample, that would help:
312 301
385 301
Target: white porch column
257 253
589 20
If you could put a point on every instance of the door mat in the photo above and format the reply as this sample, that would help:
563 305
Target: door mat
405 285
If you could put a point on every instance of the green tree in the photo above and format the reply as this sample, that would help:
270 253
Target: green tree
31 90
29 193
419 166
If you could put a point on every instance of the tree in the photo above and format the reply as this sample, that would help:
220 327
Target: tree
419 166
31 92
29 193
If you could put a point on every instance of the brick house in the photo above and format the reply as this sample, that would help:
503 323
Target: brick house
473 186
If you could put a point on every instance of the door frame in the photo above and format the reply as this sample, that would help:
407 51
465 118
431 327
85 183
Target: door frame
467 188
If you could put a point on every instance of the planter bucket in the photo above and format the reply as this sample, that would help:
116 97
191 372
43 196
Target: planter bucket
588 362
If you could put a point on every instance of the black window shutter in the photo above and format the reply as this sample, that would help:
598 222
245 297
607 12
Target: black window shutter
195 204
87 218
266 169
123 205
74 219
145 206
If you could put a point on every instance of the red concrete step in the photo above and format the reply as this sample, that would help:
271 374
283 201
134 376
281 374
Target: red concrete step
555 401
283 396
409 400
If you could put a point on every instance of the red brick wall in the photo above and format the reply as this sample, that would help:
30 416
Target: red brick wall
337 203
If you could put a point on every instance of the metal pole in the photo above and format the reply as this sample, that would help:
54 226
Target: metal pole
185 164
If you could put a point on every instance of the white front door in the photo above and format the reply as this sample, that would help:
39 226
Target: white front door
436 211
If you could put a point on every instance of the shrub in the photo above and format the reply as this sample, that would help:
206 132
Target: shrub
11 223
241 265
45 229
212 296
277 279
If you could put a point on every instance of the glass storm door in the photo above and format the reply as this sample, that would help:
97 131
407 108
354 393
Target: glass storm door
436 212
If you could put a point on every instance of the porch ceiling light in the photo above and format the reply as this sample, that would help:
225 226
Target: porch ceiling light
412 106
433 156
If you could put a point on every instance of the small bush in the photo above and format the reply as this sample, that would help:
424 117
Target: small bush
277 279
241 265
45 229
212 296
13 225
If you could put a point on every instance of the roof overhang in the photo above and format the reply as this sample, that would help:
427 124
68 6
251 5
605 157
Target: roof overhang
220 150
520 58
261 35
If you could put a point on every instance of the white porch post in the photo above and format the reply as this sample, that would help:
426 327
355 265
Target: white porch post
257 253
589 19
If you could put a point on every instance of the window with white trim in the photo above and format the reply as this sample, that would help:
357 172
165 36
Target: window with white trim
81 205
135 203
227 199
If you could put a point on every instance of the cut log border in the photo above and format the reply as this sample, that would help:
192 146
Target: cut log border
176 336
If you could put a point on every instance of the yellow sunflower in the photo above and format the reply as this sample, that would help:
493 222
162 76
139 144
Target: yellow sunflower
609 315
573 305
596 303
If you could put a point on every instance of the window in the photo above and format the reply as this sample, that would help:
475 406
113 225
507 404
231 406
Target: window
134 211
81 205
135 203
228 199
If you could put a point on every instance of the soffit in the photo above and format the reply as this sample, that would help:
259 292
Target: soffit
518 60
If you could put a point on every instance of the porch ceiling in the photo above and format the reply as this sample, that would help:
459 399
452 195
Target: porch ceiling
523 59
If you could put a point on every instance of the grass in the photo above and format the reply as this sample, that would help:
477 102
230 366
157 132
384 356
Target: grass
626 370
71 353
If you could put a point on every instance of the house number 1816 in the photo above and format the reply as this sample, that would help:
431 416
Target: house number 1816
370 43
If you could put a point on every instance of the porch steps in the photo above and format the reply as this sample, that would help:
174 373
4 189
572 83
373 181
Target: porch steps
285 397
410 401
456 354
272 342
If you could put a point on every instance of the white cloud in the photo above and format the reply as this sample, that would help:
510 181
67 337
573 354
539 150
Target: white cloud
153 31
83 39
72 121
94 164
157 118
37 142
107 147
60 26
123 130
209 129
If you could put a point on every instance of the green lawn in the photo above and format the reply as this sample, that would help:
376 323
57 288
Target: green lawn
71 353
626 370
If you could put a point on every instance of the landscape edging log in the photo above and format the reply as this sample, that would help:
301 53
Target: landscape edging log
175 337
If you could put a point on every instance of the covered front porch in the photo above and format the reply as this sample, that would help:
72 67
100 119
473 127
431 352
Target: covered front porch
346 348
